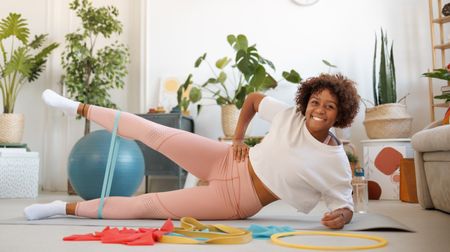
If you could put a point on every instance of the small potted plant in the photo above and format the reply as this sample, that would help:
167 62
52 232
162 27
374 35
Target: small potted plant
22 62
388 118
442 74
249 71
353 159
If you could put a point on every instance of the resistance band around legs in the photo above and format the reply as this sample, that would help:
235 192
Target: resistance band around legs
110 166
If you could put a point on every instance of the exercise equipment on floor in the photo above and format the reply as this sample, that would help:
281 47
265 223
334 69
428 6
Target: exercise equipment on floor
276 239
191 231
88 160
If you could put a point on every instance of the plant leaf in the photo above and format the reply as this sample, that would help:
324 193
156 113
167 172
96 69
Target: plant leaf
268 62
440 73
187 82
231 39
292 76
195 95
328 63
39 60
222 77
374 70
210 81
258 77
200 60
38 41
223 62
247 61
240 96
443 96
20 62
268 83
221 100
14 25
392 69
241 42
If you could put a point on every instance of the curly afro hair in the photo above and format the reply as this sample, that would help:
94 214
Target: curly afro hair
344 90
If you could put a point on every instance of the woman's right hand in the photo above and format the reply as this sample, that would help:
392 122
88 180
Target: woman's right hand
240 150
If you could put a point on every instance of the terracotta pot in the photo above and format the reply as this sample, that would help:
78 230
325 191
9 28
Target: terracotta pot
11 128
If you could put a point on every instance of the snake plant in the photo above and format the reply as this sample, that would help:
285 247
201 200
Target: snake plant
21 60
384 89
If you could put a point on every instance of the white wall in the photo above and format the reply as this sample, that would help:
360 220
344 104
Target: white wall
341 31
173 33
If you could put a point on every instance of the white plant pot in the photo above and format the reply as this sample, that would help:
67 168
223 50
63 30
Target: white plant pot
389 120
11 128
229 116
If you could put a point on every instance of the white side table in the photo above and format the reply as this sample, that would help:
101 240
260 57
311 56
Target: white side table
19 175
381 163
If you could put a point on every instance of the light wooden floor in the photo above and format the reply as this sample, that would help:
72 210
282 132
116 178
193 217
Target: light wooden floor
432 231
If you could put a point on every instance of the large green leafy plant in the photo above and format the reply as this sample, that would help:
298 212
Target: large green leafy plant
21 60
249 73
90 71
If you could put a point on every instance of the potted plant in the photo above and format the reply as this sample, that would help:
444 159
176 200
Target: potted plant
388 118
353 160
249 71
91 71
442 74
22 62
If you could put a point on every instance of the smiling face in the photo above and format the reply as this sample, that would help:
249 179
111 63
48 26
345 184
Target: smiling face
321 113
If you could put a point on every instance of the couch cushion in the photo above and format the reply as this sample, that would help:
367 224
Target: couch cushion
434 139
438 156
438 179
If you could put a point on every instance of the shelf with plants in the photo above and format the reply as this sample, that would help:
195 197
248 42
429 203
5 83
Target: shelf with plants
439 75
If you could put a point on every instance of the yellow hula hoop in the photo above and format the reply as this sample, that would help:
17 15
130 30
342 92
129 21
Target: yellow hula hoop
276 239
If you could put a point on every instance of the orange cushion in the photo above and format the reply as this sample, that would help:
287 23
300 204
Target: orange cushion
446 119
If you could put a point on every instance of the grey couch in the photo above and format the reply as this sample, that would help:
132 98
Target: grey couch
432 165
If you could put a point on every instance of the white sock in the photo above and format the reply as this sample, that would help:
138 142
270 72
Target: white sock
40 211
55 100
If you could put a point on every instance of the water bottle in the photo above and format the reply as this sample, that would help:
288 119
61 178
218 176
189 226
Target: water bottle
360 191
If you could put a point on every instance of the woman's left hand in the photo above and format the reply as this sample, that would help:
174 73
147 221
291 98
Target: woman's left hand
335 219
240 150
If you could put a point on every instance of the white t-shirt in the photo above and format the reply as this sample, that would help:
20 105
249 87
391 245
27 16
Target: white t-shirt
295 166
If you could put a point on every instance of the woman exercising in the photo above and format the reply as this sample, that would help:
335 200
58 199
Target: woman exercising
299 161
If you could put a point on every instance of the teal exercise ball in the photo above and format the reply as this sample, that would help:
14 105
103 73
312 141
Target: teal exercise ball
87 165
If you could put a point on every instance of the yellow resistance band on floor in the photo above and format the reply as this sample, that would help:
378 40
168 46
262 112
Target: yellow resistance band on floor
210 234
276 239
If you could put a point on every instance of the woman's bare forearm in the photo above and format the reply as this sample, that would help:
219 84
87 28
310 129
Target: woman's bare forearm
248 111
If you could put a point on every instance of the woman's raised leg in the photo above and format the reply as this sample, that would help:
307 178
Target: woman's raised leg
194 153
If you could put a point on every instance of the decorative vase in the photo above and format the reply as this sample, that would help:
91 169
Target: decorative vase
11 128
230 116
389 120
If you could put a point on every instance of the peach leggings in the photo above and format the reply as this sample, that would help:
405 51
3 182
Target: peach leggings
229 195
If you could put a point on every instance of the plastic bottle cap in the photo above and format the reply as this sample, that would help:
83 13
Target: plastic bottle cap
359 172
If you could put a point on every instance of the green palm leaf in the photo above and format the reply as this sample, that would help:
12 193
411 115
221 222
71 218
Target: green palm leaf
16 26
39 60
37 41
20 62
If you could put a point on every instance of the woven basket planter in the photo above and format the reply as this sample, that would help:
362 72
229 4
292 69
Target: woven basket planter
230 116
11 128
388 121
